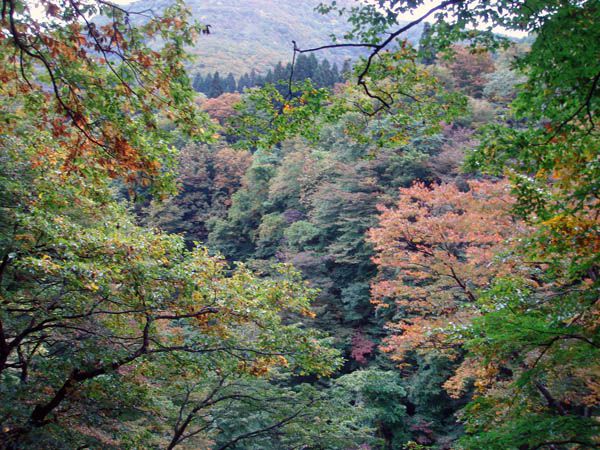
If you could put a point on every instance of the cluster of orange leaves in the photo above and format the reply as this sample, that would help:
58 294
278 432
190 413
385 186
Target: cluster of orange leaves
441 245
221 108
86 49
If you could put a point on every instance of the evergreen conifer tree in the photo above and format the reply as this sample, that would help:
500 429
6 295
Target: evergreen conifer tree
346 69
229 84
216 86
426 49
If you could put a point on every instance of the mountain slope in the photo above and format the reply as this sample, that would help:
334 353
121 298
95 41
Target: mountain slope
249 34
256 34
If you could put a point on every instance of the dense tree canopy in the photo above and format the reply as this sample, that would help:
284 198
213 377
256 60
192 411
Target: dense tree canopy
399 255
111 332
537 339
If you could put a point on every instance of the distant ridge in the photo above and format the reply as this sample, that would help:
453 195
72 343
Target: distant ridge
256 34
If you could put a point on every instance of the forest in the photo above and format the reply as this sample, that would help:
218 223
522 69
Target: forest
398 254
321 73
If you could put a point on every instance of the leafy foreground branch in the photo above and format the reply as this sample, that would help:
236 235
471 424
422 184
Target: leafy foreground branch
113 335
117 336
100 317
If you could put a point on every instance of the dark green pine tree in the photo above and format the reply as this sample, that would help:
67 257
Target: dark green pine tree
259 81
335 74
279 73
204 83
198 82
254 78
427 51
229 85
346 70
243 82
323 76
288 71
301 68
269 78
312 66
216 86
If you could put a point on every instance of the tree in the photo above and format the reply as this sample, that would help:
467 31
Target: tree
221 108
275 416
436 250
270 233
235 235
198 83
208 176
346 69
253 78
335 74
540 337
439 246
501 85
215 89
280 72
323 75
93 304
426 49
95 85
469 68
296 177
229 84
101 320
243 83
380 394
320 199
301 235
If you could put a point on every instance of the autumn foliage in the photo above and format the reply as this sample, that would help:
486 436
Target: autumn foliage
96 86
221 108
479 283
435 249
469 68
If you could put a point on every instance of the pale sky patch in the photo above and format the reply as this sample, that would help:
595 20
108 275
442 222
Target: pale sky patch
418 12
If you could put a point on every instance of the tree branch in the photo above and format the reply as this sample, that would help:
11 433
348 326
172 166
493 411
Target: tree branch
377 48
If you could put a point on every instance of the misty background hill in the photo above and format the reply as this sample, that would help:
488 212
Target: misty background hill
256 34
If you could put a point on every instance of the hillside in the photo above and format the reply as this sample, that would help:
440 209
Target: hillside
256 34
